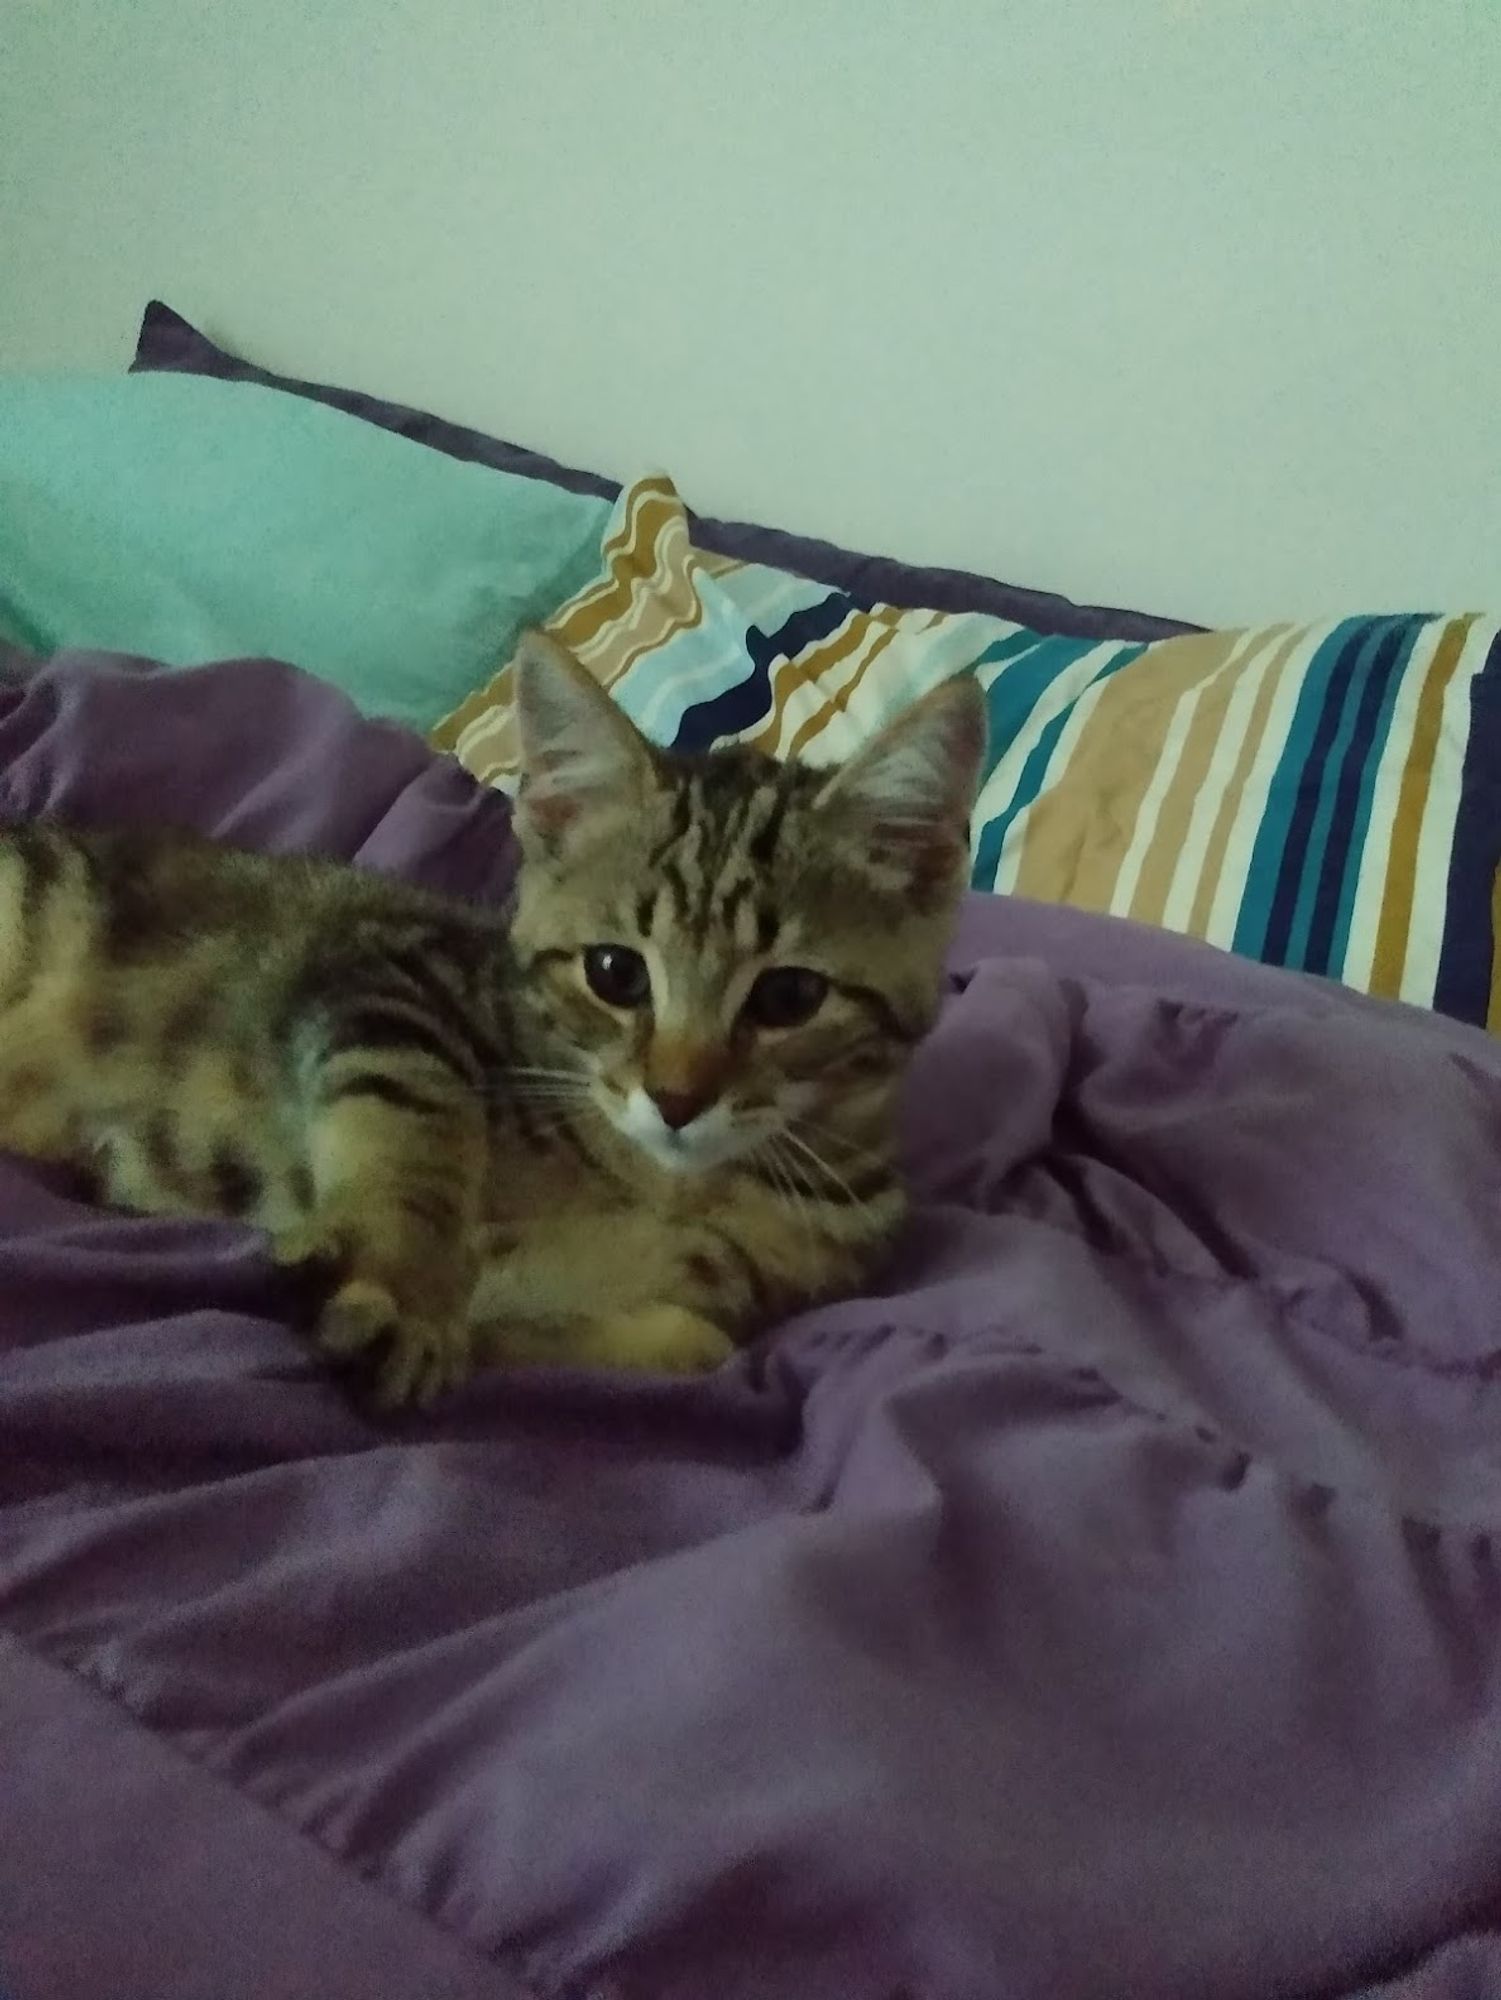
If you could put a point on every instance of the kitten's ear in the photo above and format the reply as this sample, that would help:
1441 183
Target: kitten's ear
579 752
913 786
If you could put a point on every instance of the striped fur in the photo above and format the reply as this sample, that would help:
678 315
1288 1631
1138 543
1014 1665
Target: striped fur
1317 796
435 1112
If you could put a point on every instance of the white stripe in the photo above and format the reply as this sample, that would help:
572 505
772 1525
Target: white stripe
1248 664
1168 759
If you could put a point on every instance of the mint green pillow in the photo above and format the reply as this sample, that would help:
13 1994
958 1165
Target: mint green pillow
192 520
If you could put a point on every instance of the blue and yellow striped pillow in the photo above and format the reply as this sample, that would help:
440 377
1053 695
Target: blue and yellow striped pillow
1320 796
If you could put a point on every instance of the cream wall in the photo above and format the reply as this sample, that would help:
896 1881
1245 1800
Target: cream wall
1188 304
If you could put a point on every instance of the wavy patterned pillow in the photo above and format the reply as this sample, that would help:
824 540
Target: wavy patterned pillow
1326 797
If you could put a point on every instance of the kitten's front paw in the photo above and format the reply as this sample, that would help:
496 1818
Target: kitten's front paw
309 1244
664 1339
412 1358
370 1318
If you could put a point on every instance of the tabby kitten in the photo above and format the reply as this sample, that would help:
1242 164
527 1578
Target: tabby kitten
651 1112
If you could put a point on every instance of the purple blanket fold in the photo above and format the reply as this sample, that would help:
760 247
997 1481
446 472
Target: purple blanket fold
1108 1605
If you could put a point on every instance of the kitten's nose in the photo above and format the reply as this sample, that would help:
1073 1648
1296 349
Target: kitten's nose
679 1107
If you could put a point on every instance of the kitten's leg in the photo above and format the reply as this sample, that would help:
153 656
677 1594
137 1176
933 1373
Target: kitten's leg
396 1178
658 1339
130 1174
618 1290
664 1338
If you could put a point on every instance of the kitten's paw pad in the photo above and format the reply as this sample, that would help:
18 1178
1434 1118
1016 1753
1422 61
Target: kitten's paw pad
411 1359
668 1340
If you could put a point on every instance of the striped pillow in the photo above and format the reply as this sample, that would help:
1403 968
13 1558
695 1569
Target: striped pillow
1320 796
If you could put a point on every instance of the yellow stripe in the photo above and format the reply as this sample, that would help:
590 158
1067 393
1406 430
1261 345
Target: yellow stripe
486 744
666 604
630 557
1079 830
894 624
445 733
810 667
1394 925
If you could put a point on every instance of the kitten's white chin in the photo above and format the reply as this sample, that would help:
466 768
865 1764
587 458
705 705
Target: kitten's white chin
714 1139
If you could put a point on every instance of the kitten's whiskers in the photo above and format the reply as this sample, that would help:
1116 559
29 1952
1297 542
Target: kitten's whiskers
779 1165
818 1162
856 1148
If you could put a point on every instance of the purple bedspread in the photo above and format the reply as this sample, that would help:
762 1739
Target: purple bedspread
1109 1607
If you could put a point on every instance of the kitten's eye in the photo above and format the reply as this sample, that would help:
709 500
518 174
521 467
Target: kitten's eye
617 974
786 996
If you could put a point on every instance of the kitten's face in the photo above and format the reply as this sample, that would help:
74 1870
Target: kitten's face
734 957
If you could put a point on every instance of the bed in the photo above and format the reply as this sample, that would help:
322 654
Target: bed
1107 1602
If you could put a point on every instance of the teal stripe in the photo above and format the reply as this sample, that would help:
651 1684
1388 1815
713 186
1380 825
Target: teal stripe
1015 644
1340 942
1317 856
1275 821
1012 698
